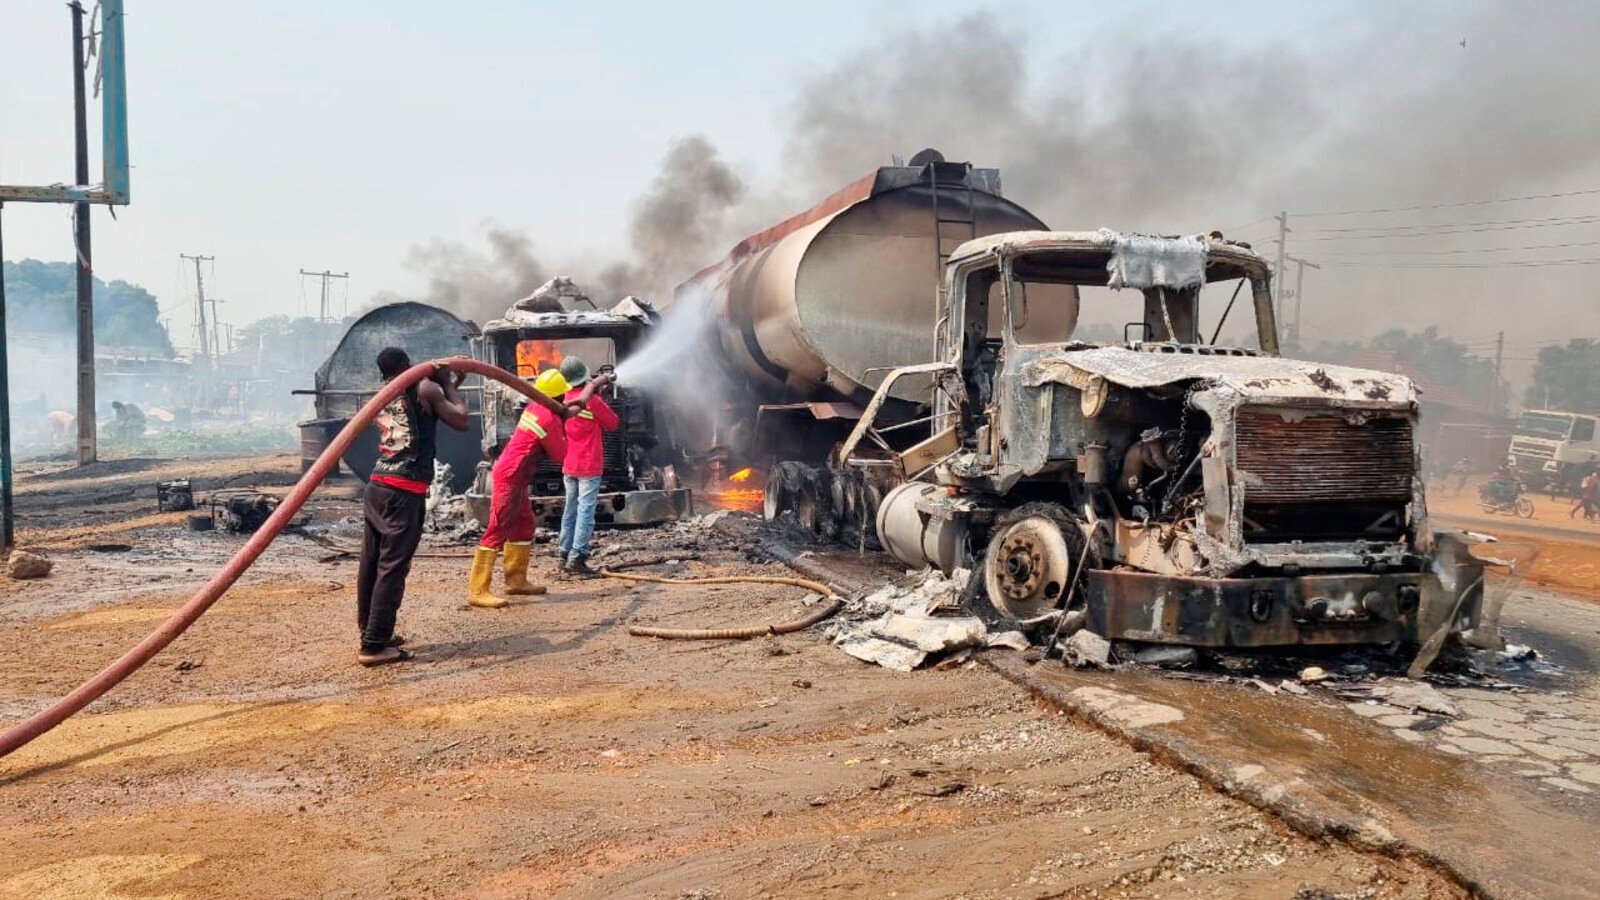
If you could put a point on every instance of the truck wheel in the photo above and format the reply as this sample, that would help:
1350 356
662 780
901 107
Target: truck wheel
1027 567
778 494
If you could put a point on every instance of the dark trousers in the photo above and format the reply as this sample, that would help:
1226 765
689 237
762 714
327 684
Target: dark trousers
394 528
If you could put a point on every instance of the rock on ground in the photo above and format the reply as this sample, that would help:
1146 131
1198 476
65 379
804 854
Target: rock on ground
25 565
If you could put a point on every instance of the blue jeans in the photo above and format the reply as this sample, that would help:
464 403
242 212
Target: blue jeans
577 517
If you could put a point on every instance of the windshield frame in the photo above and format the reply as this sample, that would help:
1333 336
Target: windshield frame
1524 430
1155 298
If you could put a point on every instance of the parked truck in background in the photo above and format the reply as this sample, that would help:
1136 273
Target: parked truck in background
1553 450
908 348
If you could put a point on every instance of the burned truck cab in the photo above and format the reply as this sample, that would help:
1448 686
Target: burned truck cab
1164 487
640 484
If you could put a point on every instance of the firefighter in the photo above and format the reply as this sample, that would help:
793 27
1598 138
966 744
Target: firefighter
510 516
584 465
511 522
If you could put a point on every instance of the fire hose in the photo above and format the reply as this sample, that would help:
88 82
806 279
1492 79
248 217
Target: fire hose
752 631
141 653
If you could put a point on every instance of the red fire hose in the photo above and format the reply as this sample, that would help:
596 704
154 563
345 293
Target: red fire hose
91 690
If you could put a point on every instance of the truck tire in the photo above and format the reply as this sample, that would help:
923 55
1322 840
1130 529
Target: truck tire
1031 561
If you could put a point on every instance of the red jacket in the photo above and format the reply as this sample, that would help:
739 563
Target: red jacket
537 429
585 455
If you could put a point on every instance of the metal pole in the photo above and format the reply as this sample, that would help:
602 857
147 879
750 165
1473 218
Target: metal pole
1499 358
88 448
8 523
1283 238
1299 290
202 362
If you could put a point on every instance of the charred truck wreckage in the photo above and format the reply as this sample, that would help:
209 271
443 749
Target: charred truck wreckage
1160 488
640 483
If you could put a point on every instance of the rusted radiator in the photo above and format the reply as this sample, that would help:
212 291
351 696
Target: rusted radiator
1323 477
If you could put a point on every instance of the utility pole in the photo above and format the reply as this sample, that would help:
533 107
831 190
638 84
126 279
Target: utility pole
203 360
1283 239
8 522
322 314
1299 291
217 351
1499 357
88 447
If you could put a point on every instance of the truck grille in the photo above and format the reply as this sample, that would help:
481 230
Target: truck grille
1323 478
1526 448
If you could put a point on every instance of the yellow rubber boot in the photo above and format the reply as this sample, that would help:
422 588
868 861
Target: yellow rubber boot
517 554
478 583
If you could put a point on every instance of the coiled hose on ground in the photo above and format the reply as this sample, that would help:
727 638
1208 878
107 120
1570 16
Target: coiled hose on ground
91 690
715 634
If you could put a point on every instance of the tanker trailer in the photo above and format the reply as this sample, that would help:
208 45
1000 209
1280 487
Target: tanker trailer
812 312
349 378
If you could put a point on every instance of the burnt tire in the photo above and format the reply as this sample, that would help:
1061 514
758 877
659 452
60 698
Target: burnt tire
1032 560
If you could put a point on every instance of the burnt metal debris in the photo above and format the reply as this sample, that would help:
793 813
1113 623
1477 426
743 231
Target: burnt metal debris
176 495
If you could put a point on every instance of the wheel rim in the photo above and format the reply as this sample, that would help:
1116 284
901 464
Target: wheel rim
1027 568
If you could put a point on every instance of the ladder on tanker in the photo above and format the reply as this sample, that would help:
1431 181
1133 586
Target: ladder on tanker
955 220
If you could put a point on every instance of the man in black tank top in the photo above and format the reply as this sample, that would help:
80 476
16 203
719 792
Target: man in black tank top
394 499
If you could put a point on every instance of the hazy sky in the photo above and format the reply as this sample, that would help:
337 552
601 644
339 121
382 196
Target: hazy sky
340 135
288 135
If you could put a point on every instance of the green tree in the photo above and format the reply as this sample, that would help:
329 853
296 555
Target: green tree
1566 377
1427 353
289 345
42 297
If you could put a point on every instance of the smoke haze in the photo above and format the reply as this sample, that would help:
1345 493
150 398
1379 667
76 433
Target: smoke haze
1145 129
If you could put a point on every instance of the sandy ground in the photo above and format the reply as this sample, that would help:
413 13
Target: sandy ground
541 751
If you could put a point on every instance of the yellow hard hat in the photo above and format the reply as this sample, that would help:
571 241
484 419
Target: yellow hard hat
551 383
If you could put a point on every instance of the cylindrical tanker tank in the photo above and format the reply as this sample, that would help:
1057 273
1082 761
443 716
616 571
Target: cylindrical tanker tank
349 377
820 305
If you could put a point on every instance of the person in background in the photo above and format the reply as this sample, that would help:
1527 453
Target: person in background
129 424
1588 496
585 463
396 493
511 522
61 425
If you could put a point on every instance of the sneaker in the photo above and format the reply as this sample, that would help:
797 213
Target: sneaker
578 564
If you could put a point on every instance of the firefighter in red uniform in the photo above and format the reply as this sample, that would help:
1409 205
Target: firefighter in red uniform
511 522
584 466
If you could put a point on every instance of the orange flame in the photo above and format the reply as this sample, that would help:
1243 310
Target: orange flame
535 356
737 493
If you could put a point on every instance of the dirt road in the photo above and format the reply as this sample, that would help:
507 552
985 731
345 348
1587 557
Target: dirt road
540 751
1562 551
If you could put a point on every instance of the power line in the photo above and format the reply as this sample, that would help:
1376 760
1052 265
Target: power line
1363 212
1421 226
1478 250
1507 264
1426 231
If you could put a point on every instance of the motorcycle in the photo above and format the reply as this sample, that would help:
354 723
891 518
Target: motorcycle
1505 495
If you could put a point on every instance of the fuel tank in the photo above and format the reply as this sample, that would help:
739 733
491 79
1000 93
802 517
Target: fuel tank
819 305
349 378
